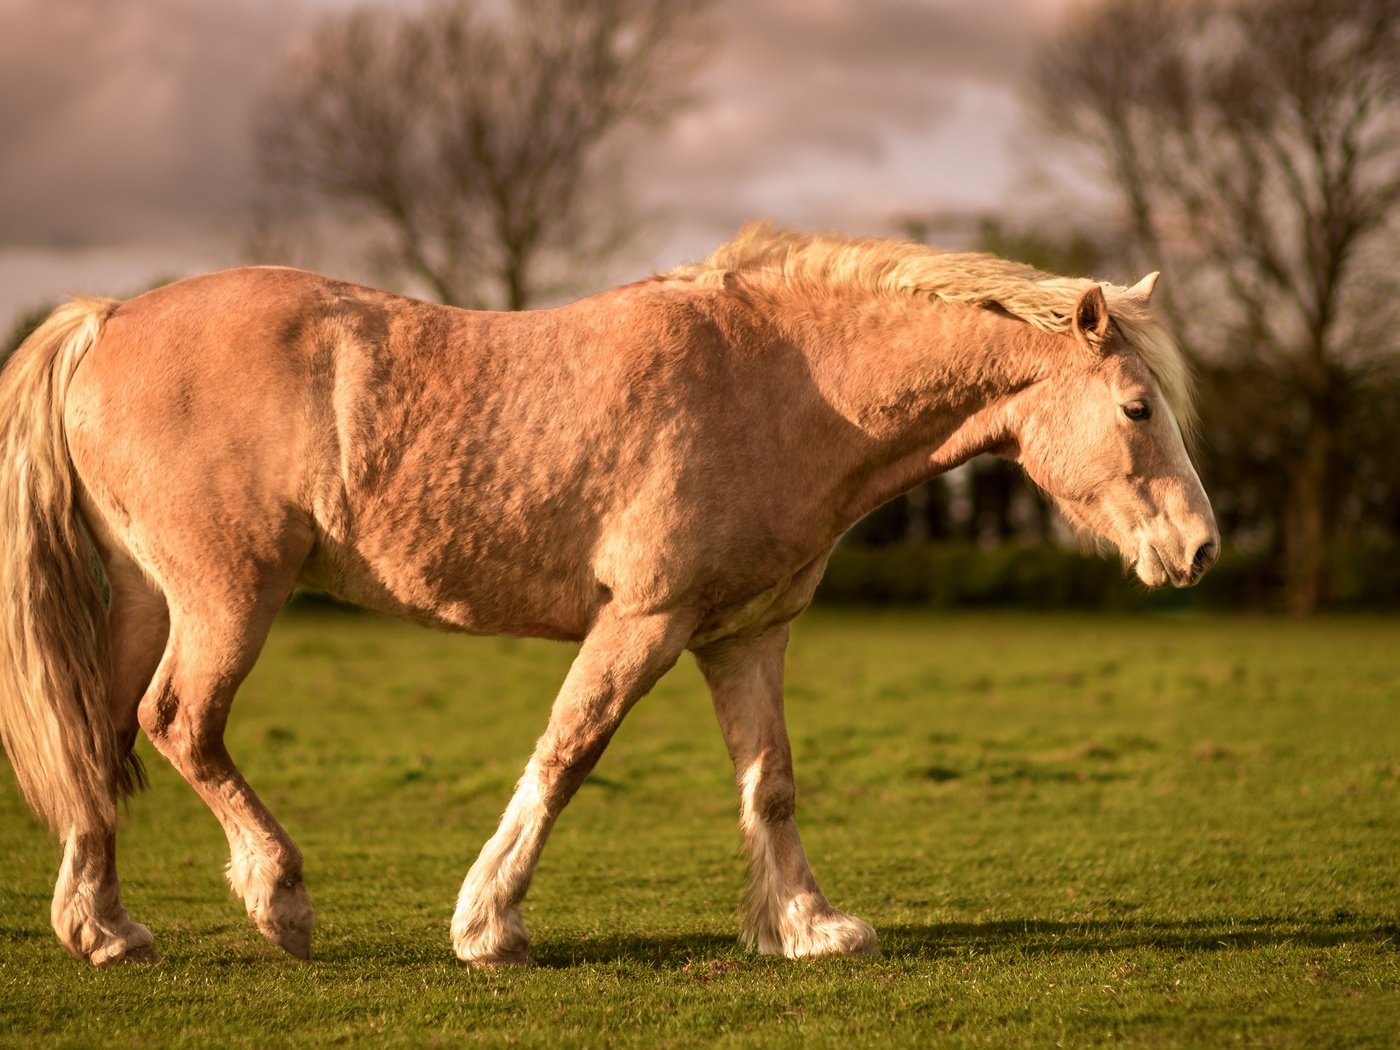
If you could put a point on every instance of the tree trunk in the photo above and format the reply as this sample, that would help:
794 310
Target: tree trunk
516 284
1307 523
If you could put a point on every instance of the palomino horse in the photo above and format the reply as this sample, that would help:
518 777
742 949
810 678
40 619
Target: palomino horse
661 467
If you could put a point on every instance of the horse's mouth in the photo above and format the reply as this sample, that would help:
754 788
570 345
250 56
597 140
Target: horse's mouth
1154 570
1149 567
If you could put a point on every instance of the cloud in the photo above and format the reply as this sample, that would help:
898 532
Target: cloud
130 122
843 76
812 103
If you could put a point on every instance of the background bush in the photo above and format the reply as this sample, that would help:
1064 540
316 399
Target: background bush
956 575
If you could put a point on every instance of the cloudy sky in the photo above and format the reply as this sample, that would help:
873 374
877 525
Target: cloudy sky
126 128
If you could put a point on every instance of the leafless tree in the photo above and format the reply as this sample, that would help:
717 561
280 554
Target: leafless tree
481 139
1255 148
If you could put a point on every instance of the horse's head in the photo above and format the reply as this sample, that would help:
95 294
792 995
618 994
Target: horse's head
1103 434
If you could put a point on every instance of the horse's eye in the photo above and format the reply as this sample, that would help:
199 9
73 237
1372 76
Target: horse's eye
1137 411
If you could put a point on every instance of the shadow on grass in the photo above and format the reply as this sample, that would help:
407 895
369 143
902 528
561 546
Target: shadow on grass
653 951
1042 937
1028 937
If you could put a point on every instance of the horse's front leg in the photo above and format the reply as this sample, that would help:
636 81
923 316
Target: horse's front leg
619 662
788 914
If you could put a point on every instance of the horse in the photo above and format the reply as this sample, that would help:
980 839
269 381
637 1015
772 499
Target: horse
661 467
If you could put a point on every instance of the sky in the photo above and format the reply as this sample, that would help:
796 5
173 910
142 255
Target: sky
127 129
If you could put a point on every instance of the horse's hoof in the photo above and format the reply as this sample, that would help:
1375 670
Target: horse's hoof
482 939
295 941
286 920
144 955
833 934
807 927
521 957
134 944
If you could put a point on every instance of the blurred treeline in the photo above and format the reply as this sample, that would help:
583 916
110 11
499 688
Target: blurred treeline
1248 149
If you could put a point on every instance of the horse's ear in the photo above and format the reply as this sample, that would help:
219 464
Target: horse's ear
1091 317
1142 291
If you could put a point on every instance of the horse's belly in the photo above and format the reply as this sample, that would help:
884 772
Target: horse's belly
477 596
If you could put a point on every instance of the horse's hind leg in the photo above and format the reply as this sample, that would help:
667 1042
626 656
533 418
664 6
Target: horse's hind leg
87 912
215 638
788 914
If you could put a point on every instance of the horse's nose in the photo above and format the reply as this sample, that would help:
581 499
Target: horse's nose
1205 557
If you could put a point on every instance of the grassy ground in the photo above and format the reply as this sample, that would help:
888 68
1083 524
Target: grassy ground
1073 830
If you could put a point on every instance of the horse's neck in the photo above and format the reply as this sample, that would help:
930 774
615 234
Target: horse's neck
925 387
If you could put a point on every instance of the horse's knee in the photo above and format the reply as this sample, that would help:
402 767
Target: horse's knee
160 721
156 713
187 732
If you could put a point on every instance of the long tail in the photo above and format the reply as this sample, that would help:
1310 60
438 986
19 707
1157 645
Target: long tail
54 657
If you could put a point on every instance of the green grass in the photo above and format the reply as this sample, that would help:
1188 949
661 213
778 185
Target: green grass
1066 830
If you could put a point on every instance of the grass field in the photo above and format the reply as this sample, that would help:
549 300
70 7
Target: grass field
1066 830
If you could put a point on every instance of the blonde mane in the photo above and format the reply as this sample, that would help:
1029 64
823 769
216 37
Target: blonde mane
902 269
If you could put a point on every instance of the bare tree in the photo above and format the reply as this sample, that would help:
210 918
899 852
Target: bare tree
481 138
1255 148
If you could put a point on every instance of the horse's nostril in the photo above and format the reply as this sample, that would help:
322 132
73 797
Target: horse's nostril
1205 556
